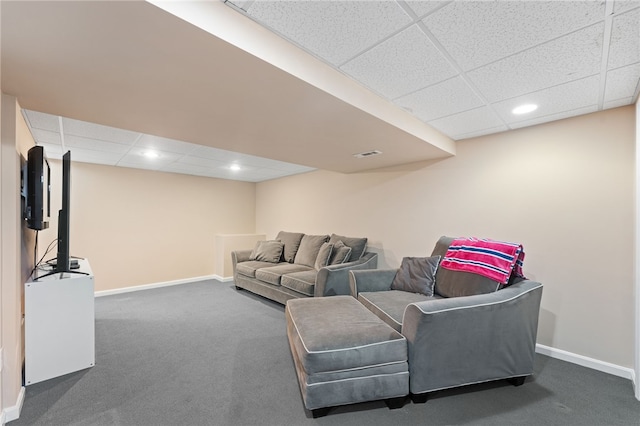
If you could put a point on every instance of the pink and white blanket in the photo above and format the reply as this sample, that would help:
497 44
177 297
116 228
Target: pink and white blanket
492 259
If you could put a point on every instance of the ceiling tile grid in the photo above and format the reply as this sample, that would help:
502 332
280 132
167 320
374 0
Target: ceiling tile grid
98 144
450 58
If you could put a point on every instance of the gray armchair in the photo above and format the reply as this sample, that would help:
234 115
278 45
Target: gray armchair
457 341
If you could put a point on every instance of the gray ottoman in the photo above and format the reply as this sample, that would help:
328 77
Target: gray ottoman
345 354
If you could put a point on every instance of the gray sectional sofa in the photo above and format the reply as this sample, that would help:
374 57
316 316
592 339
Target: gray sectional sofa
467 330
295 265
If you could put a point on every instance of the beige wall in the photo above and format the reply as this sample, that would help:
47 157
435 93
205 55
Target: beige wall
563 189
16 242
141 227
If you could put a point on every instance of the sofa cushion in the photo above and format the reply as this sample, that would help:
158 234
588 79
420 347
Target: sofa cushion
303 282
267 251
309 248
273 274
416 275
458 283
358 245
291 241
389 305
249 268
339 254
324 254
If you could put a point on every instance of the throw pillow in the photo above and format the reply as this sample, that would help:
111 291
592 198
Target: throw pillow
291 241
323 255
358 245
340 254
309 248
267 251
417 275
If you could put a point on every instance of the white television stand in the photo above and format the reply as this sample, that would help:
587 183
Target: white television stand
59 324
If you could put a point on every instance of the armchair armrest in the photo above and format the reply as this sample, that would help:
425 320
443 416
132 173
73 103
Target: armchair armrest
334 279
371 280
463 340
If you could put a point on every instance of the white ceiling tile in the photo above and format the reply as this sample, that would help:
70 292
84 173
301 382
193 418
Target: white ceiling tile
165 144
402 64
189 169
191 160
479 32
468 122
333 30
91 156
553 117
97 131
482 133
442 99
39 120
422 7
622 82
566 97
618 103
625 40
71 141
136 157
565 59
45 136
624 5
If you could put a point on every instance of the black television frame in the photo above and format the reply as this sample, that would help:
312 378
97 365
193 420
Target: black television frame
37 208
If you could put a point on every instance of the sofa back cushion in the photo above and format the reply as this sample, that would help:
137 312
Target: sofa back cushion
291 241
309 248
358 245
267 251
457 283
323 255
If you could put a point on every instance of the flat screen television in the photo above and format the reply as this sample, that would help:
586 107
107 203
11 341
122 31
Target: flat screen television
63 258
37 209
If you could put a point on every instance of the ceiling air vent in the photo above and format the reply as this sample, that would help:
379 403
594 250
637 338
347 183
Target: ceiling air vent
367 154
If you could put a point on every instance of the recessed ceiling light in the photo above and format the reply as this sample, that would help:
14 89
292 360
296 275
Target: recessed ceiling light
234 167
151 154
523 109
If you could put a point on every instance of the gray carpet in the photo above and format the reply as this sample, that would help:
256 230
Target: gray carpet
207 354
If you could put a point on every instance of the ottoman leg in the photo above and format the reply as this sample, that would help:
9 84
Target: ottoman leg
395 403
320 412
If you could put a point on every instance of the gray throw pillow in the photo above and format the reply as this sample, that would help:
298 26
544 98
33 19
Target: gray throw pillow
340 254
417 275
358 245
309 248
291 241
267 251
323 255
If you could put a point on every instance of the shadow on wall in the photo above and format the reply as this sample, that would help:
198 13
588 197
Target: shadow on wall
546 327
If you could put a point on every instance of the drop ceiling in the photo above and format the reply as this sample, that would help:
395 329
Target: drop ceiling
98 144
295 85
463 66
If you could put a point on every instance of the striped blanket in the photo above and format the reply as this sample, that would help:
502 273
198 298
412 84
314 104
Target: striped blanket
492 259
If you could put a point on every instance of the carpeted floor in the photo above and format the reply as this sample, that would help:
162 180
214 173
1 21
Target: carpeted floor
207 354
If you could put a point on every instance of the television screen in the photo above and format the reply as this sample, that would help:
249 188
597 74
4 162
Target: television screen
38 200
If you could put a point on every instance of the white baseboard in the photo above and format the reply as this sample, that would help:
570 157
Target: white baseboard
2 418
13 413
584 361
158 285
223 279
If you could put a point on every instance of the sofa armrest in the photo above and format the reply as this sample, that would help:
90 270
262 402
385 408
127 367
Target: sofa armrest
462 340
333 280
238 256
371 280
